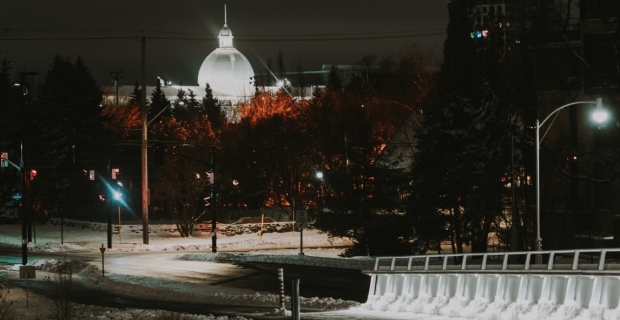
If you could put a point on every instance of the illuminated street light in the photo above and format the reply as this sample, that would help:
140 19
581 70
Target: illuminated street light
599 115
319 175
117 195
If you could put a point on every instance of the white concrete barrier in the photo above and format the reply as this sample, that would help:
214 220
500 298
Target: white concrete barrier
562 280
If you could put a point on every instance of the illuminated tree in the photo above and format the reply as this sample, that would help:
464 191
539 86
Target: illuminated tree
268 143
267 104
122 119
180 185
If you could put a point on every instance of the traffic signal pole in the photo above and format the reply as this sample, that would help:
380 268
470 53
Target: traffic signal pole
22 203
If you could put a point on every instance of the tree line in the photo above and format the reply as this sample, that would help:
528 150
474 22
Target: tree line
410 156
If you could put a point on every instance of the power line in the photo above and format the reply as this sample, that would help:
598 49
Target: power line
240 40
314 39
65 39
142 32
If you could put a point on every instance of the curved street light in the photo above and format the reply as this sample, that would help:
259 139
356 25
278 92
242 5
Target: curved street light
599 115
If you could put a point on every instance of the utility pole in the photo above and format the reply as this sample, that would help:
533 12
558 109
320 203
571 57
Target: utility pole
214 216
115 76
145 178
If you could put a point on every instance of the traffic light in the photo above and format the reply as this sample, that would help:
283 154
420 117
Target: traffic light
33 174
4 159
207 201
210 176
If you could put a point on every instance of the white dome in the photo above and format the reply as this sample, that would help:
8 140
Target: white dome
226 70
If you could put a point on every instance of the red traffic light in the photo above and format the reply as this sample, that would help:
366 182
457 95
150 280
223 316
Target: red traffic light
4 159
33 173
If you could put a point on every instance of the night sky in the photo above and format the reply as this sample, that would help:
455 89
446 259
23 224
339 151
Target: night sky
384 26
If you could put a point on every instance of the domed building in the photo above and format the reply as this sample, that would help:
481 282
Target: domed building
226 70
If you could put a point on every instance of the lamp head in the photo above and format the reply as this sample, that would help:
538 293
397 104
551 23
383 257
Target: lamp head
599 115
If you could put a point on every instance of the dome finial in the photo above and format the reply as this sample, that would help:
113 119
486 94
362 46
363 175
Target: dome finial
225 36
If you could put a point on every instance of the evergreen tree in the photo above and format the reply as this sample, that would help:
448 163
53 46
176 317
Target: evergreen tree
159 102
68 113
213 109
334 82
11 108
193 105
6 82
462 149
351 198
135 97
180 110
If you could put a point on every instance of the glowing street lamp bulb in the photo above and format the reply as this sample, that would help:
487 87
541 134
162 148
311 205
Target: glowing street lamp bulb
117 195
599 115
319 175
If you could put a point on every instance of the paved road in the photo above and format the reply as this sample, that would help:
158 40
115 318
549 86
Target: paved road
315 282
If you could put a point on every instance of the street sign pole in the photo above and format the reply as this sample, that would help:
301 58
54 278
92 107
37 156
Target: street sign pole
102 249
301 223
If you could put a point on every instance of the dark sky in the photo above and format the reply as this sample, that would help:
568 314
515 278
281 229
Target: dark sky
393 22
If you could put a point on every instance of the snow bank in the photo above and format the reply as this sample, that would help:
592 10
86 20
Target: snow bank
361 263
54 265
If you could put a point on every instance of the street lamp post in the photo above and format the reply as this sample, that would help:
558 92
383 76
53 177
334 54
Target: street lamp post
599 115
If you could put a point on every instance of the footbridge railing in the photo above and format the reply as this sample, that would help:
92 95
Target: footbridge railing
587 260
582 277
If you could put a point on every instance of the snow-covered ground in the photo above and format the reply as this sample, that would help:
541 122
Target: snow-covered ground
239 247
88 236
